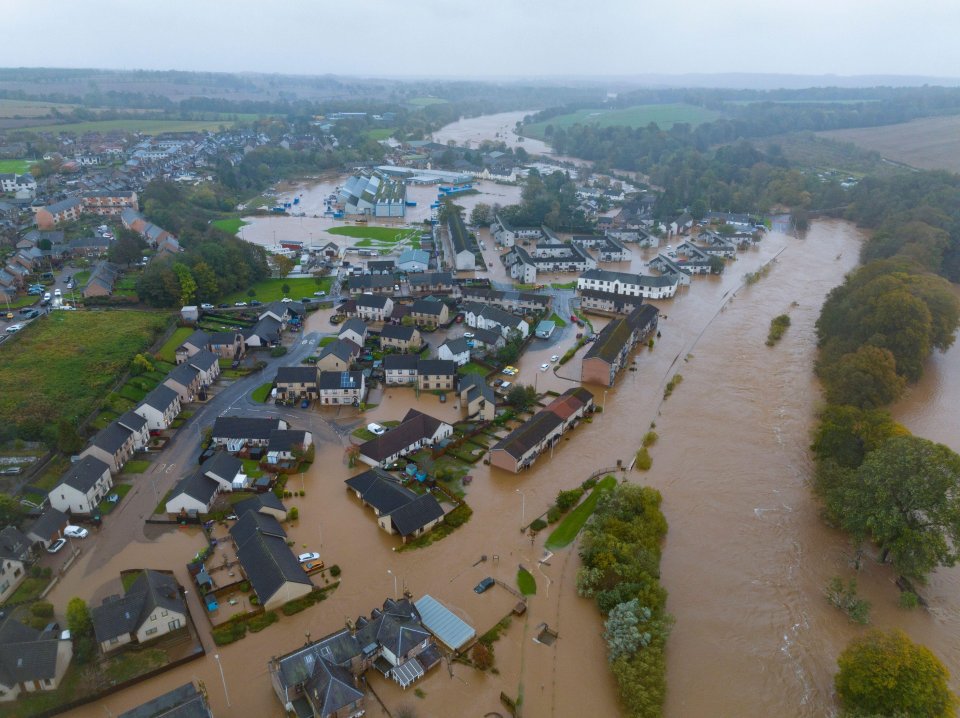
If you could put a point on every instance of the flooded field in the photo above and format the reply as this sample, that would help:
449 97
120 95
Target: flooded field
472 131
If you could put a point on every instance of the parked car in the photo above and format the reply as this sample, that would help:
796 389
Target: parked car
376 429
206 305
8 315
555 357
286 299
255 302
305 404
56 545
544 367
239 304
57 292
484 585
468 335
223 306
308 557
321 293
76 532
14 328
113 498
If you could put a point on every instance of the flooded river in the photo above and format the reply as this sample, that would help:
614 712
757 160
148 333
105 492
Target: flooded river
745 561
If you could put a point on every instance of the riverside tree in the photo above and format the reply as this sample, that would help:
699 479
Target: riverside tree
886 674
905 496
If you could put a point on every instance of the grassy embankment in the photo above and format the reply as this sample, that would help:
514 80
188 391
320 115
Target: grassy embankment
568 529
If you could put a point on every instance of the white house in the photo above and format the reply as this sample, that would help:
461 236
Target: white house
160 407
455 350
83 487
635 285
486 317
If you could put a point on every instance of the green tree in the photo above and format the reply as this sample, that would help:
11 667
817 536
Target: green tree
521 396
905 496
208 287
285 289
481 215
78 618
866 378
11 511
283 264
623 632
127 249
845 433
188 287
886 674
69 440
141 364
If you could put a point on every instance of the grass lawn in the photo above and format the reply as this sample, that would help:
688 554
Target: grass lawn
16 166
80 279
526 582
133 663
388 235
120 490
326 341
472 368
364 434
262 392
52 473
136 466
143 126
425 101
665 116
252 469
29 590
381 133
231 224
271 290
564 285
555 318
568 529
40 373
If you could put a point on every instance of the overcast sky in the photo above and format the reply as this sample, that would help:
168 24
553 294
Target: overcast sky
488 38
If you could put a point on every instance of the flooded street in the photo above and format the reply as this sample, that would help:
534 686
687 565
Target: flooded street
745 561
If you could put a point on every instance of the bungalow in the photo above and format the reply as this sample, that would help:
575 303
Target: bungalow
226 470
609 353
68 210
429 312
31 660
432 283
160 407
14 556
395 336
337 356
455 350
415 431
283 312
355 330
486 317
265 333
228 345
436 374
266 503
413 260
296 382
193 495
400 368
197 341
82 487
637 285
287 445
477 397
371 284
151 607
398 509
341 387
373 307
233 433
274 573
185 380
48 527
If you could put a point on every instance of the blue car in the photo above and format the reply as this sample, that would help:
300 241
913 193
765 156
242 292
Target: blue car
304 404
484 585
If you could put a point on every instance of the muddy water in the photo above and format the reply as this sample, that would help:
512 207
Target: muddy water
472 131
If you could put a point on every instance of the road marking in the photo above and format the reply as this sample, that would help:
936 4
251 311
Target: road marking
158 469
171 467
305 341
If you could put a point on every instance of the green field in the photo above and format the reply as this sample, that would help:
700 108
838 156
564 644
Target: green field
526 582
65 363
381 133
666 116
386 235
425 101
168 350
231 224
270 290
146 126
18 166
568 529
10 109
262 392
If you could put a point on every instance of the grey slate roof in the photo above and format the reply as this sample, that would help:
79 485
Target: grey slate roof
457 346
267 500
160 398
330 380
111 438
286 439
372 301
199 339
416 514
120 615
263 552
132 421
381 490
183 702
296 375
224 465
397 332
197 485
204 360
343 349
243 427
415 425
434 367
519 441
331 688
430 307
354 324
25 654
400 361
184 374
49 522
84 474
13 544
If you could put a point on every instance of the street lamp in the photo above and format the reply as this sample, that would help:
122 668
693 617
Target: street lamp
222 678
523 506
394 583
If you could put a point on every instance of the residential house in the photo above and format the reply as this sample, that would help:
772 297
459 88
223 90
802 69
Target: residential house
296 382
355 330
160 407
106 203
507 235
463 257
153 606
373 307
398 509
337 356
68 210
432 283
436 374
413 260
116 443
185 379
48 527
82 488
608 247
133 220
341 387
597 302
196 342
371 284
234 433
381 266
487 317
102 279
415 431
194 494
520 448
265 503
477 397
31 660
395 336
636 285
228 345
183 702
609 353
89 247
455 350
274 573
208 365
14 557
287 445
682 269
430 313
400 368
265 333
508 300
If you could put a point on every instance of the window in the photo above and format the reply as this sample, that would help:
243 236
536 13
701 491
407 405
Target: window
151 631
114 641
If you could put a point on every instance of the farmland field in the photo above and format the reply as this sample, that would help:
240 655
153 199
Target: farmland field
931 143
30 108
63 364
18 166
146 127
638 116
